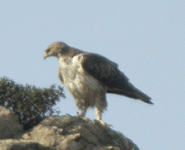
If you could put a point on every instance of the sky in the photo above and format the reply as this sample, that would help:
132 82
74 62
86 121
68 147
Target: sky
146 39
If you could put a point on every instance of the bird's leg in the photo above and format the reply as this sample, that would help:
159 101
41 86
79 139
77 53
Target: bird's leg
99 116
82 113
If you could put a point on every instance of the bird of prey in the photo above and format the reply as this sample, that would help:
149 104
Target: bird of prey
89 76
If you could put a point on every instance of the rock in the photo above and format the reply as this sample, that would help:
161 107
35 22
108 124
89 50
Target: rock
76 133
21 145
9 124
60 133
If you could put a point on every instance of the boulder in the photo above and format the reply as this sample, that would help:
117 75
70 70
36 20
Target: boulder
77 133
60 133
10 128
15 144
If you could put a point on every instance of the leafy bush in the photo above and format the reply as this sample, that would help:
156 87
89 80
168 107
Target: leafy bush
30 103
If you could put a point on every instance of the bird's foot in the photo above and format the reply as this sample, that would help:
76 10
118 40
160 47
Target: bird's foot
77 113
102 123
80 115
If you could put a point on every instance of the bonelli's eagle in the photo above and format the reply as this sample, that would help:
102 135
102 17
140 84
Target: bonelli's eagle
89 76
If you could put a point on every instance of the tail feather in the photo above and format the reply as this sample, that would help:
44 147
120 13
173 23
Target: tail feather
132 92
135 94
142 96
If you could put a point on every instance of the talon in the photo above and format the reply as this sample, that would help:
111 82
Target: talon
77 113
80 115
102 122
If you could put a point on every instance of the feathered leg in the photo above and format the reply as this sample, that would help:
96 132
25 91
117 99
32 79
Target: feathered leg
99 116
83 112
101 105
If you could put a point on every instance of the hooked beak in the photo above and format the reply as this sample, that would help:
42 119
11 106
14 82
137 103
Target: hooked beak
45 55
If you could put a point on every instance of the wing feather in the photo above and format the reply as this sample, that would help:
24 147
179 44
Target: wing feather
108 74
60 75
105 71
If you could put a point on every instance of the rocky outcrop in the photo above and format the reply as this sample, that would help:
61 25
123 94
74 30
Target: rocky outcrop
9 124
66 133
19 144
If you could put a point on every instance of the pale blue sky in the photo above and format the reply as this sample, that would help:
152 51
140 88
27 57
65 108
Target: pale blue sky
146 39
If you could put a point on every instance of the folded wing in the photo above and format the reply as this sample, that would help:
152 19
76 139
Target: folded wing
108 74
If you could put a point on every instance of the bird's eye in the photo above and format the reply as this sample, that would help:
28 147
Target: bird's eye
48 51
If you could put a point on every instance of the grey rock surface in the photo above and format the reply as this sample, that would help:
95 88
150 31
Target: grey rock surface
9 125
60 133
15 144
76 133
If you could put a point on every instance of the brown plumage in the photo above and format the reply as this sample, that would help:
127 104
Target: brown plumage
89 76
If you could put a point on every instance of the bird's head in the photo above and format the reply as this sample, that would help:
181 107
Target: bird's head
56 49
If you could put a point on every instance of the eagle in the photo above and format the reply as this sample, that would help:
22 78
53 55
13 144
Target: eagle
90 76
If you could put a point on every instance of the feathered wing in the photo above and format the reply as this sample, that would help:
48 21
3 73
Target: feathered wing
60 75
107 73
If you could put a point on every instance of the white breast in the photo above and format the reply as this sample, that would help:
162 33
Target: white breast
77 81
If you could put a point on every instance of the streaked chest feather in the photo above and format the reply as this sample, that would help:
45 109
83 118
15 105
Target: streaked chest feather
76 79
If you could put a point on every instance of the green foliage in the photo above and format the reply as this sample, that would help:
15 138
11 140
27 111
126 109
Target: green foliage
30 103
